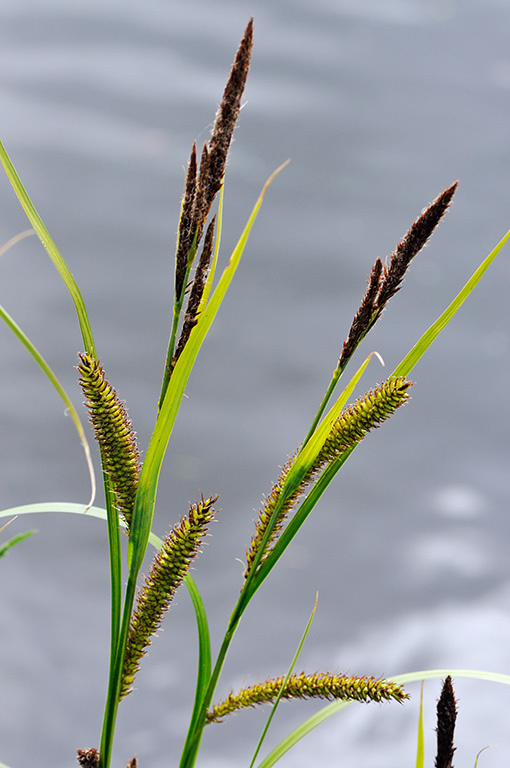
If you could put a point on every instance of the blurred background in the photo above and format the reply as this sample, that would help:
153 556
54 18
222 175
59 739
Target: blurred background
380 104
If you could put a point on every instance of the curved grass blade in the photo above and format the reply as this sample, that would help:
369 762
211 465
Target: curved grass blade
51 249
6 546
478 755
16 239
410 360
291 669
50 375
204 652
332 709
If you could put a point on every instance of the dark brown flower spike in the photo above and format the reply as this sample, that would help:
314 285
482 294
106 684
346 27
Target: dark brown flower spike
315 686
201 205
412 242
446 717
186 233
89 758
364 316
169 568
196 292
228 112
202 185
386 280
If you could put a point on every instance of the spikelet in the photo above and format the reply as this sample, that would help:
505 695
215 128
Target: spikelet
368 412
186 233
319 685
386 280
114 433
348 430
168 569
196 292
266 514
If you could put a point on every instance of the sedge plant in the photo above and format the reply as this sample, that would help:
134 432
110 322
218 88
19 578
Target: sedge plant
138 604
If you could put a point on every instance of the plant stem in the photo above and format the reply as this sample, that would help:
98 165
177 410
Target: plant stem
112 698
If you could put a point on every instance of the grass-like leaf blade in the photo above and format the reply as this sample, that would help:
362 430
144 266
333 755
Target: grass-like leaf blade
410 360
50 248
49 373
289 672
6 546
420 740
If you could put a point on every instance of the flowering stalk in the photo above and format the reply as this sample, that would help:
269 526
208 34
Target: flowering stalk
386 279
114 433
203 182
355 421
319 685
169 568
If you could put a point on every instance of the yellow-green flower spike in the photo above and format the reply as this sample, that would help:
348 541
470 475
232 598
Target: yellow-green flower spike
114 433
367 413
168 569
351 426
266 514
319 685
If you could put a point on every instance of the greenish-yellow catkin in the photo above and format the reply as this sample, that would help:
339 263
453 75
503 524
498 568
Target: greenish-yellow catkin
368 412
114 433
266 513
168 569
349 429
319 685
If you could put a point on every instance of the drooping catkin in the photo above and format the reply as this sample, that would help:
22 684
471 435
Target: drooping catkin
319 685
355 421
169 568
114 433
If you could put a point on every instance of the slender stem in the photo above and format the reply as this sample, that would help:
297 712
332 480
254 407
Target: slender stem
325 400
194 737
115 571
112 699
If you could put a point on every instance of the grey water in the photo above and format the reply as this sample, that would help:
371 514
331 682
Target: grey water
379 104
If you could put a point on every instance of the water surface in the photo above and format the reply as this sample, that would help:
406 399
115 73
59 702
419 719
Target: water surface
379 105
